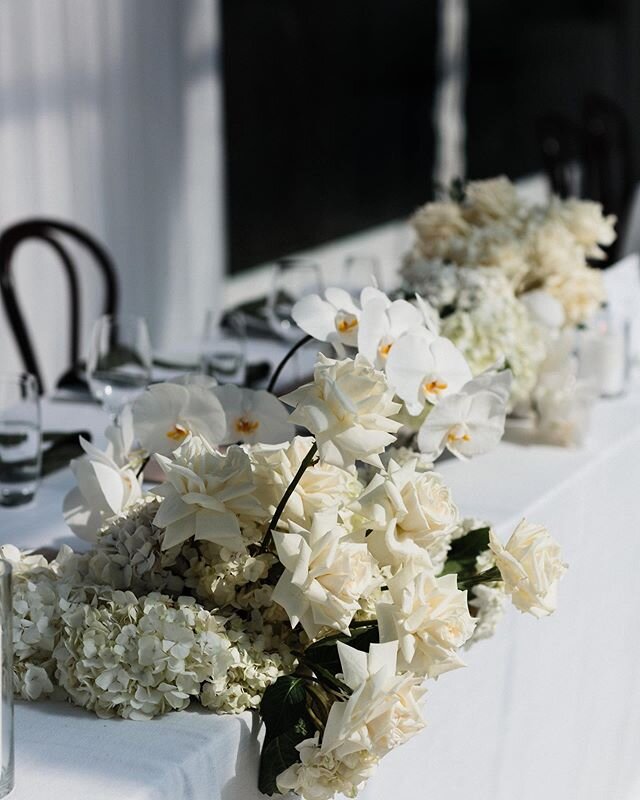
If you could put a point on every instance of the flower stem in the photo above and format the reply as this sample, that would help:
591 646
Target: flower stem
145 461
285 360
306 462
489 576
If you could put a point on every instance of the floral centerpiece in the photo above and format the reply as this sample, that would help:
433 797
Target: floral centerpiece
510 280
322 579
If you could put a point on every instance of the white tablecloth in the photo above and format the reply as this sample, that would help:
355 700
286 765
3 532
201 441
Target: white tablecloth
547 709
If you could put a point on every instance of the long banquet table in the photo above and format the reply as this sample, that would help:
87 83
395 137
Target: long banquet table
546 709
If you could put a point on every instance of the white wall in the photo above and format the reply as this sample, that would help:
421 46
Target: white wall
110 116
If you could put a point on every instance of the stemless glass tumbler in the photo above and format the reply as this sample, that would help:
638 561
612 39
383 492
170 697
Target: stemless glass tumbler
20 439
293 279
6 679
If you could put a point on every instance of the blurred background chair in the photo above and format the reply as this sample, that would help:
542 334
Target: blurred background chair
592 159
559 140
58 235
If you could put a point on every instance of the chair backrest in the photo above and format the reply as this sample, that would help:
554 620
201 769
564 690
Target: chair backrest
608 159
560 147
54 233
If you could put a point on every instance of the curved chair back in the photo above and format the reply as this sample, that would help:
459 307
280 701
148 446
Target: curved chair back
54 233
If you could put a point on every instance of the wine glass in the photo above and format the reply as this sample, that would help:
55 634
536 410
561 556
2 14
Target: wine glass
293 279
223 349
358 271
119 361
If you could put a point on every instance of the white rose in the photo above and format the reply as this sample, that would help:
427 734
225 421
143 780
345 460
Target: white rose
434 224
321 487
321 776
325 575
581 292
429 618
489 200
531 566
587 224
348 408
383 710
411 513
207 495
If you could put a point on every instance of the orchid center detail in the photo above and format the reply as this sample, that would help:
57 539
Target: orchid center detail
178 433
459 433
346 322
434 387
245 425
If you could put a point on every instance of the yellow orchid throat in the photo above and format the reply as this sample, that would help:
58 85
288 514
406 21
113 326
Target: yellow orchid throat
245 426
178 433
435 387
385 349
458 434
345 323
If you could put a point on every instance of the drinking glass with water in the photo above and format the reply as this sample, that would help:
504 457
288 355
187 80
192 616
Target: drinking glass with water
20 439
119 361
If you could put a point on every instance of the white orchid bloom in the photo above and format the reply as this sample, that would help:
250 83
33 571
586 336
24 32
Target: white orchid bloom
423 368
382 323
468 423
167 413
254 416
335 319
106 487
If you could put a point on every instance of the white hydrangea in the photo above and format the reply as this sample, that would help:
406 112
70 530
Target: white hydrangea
129 554
136 658
258 660
487 603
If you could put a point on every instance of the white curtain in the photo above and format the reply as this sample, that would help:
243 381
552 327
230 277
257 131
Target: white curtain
448 111
111 117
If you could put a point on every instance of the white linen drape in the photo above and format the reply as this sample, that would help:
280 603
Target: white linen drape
110 116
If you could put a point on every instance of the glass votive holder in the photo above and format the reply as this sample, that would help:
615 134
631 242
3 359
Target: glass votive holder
20 439
6 680
604 357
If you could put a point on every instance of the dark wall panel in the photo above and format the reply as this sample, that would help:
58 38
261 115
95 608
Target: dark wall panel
528 59
328 119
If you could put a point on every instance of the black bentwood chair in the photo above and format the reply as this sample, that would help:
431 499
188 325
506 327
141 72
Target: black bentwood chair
57 235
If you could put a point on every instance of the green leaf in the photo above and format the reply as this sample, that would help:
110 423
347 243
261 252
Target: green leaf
324 652
279 753
282 703
287 722
462 556
470 545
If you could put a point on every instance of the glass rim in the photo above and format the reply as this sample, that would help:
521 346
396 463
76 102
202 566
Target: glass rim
118 317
